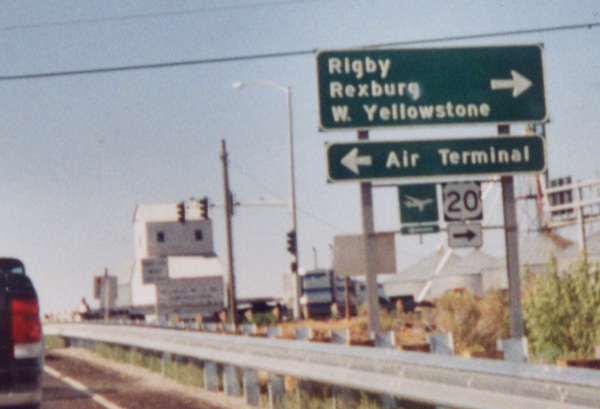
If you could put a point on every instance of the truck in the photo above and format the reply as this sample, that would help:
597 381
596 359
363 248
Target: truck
321 290
21 339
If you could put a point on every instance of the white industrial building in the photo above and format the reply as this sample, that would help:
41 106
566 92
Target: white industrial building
175 270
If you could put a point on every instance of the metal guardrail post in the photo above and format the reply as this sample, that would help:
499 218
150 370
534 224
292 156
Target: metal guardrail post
340 336
251 387
248 329
303 334
231 380
211 376
164 362
386 339
212 326
441 343
515 349
304 387
276 391
342 397
230 328
273 332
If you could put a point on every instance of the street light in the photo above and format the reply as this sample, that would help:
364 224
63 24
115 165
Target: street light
287 91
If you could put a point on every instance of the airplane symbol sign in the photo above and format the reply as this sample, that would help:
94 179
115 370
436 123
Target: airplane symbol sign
415 202
418 203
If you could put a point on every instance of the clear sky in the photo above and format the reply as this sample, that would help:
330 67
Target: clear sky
80 151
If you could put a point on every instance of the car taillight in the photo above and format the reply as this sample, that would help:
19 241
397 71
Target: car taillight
26 328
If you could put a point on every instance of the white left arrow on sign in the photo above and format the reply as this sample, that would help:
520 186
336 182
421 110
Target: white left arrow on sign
352 161
519 84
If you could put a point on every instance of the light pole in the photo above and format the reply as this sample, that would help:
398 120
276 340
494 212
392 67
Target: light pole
288 94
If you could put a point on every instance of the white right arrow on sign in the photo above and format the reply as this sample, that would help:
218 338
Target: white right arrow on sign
519 84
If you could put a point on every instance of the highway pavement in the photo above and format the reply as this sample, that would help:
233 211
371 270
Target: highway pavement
78 379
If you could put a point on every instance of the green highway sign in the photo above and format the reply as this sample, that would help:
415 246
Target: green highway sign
418 203
364 89
371 160
420 229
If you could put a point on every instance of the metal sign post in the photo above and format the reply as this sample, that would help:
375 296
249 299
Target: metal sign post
511 238
366 200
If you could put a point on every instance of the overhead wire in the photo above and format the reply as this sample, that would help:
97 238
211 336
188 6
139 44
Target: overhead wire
286 54
129 17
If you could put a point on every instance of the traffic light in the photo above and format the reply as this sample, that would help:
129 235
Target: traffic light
204 208
291 242
181 212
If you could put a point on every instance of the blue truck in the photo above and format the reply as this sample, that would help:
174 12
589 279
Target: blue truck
322 291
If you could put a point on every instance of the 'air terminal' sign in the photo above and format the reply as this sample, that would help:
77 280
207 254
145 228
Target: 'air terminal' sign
371 160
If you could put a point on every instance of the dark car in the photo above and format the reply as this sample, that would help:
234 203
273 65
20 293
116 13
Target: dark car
21 341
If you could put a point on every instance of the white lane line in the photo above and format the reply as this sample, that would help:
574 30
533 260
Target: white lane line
82 388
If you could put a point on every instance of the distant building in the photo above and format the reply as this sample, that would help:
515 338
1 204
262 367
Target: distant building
175 270
571 255
440 272
537 249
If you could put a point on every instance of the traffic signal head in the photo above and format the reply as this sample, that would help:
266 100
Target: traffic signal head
181 212
204 208
291 242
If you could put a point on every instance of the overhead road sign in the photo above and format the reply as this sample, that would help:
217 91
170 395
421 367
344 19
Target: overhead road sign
365 89
465 235
372 160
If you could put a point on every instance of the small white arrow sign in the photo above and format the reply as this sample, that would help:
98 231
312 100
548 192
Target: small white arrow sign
352 160
519 84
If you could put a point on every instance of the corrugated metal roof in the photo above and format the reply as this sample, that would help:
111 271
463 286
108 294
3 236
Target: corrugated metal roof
422 269
592 244
474 262
536 248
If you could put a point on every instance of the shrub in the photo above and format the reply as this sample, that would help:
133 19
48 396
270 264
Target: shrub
562 312
264 319
475 323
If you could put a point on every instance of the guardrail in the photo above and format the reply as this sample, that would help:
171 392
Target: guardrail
415 379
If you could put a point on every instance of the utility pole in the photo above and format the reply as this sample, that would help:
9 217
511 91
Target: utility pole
231 297
106 294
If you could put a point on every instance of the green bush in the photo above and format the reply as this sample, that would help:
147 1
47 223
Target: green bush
562 312
264 319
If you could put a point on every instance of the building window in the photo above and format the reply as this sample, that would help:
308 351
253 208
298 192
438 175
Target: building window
198 235
160 237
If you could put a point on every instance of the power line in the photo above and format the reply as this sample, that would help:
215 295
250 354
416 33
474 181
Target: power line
490 35
105 70
100 20
205 61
